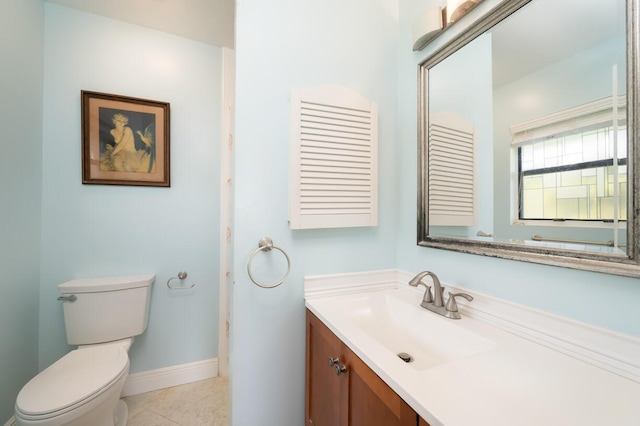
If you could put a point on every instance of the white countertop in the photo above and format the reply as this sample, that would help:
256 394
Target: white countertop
515 383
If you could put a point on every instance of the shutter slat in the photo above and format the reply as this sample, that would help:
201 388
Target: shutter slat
340 110
334 142
334 212
329 152
333 180
336 161
337 122
354 137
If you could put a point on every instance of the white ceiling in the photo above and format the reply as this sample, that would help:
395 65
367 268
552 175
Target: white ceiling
208 21
547 31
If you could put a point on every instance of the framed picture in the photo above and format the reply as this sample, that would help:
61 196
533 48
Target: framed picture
125 141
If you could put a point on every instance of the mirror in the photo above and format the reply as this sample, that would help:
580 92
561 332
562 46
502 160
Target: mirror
527 136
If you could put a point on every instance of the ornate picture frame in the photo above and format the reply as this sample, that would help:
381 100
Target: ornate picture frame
125 140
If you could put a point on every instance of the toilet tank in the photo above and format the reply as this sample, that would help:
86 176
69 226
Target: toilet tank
106 309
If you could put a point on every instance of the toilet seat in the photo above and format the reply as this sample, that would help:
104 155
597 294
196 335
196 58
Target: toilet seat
72 381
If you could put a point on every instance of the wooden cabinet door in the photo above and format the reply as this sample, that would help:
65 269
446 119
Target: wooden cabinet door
326 397
423 422
357 397
371 401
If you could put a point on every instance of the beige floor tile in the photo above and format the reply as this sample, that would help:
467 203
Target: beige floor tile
149 418
203 403
133 408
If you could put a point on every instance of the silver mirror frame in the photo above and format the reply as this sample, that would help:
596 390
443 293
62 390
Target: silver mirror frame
628 265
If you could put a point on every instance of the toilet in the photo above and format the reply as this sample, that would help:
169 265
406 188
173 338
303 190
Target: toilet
101 317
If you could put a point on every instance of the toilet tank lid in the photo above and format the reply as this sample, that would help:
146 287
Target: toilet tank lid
91 285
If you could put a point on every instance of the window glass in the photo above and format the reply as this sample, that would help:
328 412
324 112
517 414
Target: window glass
573 176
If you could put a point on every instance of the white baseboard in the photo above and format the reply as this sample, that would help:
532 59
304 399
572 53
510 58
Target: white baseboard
11 421
161 378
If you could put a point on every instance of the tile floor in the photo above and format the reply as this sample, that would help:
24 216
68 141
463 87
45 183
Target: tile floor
203 403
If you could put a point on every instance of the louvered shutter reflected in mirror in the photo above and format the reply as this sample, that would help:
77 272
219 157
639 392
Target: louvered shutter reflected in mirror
452 171
334 159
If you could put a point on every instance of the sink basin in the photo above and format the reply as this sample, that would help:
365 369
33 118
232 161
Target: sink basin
400 325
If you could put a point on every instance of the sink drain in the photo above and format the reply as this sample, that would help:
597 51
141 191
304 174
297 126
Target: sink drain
405 357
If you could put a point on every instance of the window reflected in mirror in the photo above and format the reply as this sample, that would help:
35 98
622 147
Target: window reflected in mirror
580 176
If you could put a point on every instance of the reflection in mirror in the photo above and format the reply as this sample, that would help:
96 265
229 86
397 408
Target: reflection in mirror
525 137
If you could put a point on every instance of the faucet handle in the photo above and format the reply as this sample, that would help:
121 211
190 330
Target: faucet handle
452 305
428 298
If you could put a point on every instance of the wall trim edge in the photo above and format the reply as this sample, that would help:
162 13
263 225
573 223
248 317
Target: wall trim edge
351 282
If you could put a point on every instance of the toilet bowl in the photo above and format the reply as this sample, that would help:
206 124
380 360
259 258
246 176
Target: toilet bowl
102 316
82 388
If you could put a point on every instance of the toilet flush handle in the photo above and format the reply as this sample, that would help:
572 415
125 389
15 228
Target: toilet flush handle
71 298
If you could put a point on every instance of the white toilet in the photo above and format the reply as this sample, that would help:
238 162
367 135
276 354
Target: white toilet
101 316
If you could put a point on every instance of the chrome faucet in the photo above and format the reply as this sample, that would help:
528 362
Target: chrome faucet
434 303
437 288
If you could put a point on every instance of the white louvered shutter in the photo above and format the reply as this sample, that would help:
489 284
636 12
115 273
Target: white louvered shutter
334 159
452 171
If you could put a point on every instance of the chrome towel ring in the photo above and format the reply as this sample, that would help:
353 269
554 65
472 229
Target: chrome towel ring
266 244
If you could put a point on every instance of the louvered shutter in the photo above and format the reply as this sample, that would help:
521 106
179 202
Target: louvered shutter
334 159
452 171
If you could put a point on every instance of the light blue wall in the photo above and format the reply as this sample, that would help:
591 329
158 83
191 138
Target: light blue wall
602 300
21 47
281 45
98 230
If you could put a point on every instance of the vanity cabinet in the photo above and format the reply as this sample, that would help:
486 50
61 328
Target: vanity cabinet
345 391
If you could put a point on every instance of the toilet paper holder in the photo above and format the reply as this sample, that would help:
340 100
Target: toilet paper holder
181 276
